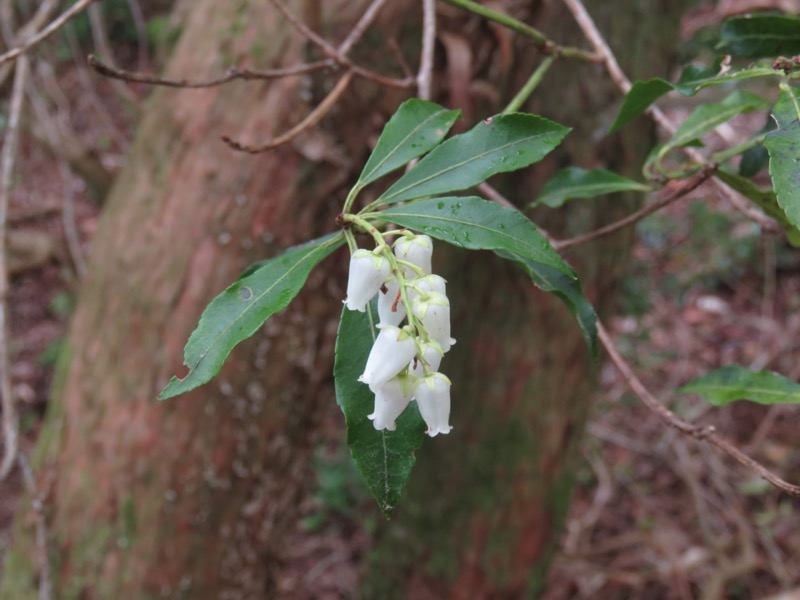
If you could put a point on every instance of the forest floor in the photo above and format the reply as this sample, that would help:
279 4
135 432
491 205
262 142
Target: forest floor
655 515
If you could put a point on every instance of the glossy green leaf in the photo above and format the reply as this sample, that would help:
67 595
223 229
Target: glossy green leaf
477 224
641 95
416 128
707 117
761 36
783 146
695 78
574 182
242 308
384 458
498 145
565 288
733 382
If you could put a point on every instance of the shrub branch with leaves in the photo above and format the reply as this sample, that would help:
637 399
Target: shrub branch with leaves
381 366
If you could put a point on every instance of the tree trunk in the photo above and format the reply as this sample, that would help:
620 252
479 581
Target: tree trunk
190 498
483 512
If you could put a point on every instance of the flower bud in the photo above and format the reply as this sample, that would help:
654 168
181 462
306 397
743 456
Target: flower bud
368 271
392 351
416 249
433 309
391 399
433 398
390 309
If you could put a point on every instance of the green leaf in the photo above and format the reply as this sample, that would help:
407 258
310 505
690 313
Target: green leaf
761 36
695 78
783 146
238 312
498 145
567 289
574 182
477 224
641 95
707 117
733 382
764 199
384 458
416 127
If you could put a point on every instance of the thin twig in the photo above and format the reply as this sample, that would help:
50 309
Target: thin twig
311 119
681 190
358 30
698 432
45 33
37 503
50 130
541 41
616 73
103 44
141 33
230 75
425 76
336 54
533 81
9 153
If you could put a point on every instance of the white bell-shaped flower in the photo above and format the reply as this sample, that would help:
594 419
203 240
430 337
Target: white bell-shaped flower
433 309
391 399
368 272
390 309
433 398
430 283
392 351
416 249
432 354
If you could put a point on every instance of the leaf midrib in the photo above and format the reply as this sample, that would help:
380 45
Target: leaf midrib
419 182
397 147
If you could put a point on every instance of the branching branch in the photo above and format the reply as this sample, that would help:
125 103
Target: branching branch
231 74
45 33
312 119
681 189
707 434
616 73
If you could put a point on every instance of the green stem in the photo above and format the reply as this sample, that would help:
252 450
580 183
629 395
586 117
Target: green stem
527 89
351 197
544 43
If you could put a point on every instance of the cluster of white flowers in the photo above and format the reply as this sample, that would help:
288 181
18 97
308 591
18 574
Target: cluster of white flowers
404 362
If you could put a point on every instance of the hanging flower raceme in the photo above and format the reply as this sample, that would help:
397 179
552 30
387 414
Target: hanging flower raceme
404 360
